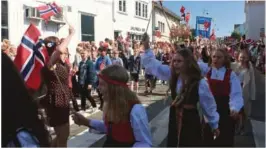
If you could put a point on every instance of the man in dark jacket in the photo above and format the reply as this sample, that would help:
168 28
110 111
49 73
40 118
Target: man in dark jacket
86 77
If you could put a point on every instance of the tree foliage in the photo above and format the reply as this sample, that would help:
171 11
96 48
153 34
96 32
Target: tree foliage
236 35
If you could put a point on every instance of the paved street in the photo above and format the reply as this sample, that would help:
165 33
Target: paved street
256 128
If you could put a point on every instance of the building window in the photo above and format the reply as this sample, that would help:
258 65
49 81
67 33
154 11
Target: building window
122 5
4 23
161 27
141 9
87 28
137 8
146 11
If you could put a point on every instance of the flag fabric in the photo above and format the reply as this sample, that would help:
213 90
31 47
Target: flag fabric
206 25
48 10
31 57
213 37
249 41
182 9
187 17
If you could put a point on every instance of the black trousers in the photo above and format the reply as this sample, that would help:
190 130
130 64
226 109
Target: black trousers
100 97
86 93
75 86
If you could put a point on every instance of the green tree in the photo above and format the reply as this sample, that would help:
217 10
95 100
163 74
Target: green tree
193 34
236 35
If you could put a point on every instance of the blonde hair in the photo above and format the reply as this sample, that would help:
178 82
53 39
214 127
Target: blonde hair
5 45
79 49
117 105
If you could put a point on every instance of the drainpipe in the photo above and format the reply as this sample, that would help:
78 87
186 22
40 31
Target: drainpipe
113 10
153 22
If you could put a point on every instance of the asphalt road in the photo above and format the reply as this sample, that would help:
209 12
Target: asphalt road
257 114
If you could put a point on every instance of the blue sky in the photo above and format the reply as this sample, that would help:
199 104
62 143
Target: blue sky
224 13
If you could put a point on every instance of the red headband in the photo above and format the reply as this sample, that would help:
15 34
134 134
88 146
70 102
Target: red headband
108 80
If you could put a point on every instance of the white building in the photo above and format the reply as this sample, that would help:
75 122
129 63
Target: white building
255 19
131 18
160 23
92 20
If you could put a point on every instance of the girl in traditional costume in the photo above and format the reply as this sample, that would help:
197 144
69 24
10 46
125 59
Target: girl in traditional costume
226 88
245 72
188 89
124 118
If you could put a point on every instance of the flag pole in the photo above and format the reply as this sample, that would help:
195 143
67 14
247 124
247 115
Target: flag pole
64 17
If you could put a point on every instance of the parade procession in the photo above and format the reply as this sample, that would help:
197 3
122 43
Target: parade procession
133 73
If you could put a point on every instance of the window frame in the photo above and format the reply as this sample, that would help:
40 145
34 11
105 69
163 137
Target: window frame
161 27
123 6
5 27
136 8
85 34
141 9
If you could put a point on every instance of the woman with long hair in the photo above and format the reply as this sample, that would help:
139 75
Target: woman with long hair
21 125
227 91
245 72
55 75
188 90
124 118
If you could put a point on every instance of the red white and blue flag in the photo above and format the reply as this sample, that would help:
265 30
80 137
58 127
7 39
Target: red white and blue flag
48 10
31 57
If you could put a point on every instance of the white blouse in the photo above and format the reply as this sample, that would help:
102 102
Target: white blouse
236 99
163 72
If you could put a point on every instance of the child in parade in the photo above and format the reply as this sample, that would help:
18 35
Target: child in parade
102 61
245 72
134 67
188 89
55 75
116 60
226 88
124 118
21 124
86 75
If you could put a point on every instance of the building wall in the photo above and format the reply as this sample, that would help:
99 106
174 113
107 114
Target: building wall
123 22
159 16
18 23
255 19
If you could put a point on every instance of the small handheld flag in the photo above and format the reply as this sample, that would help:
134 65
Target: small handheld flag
31 57
48 10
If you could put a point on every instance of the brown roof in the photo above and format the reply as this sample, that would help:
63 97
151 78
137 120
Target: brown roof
169 12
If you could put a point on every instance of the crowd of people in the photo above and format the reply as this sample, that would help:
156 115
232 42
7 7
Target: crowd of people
211 86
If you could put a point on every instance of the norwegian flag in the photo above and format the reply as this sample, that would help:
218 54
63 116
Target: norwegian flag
213 37
48 10
31 57
182 10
